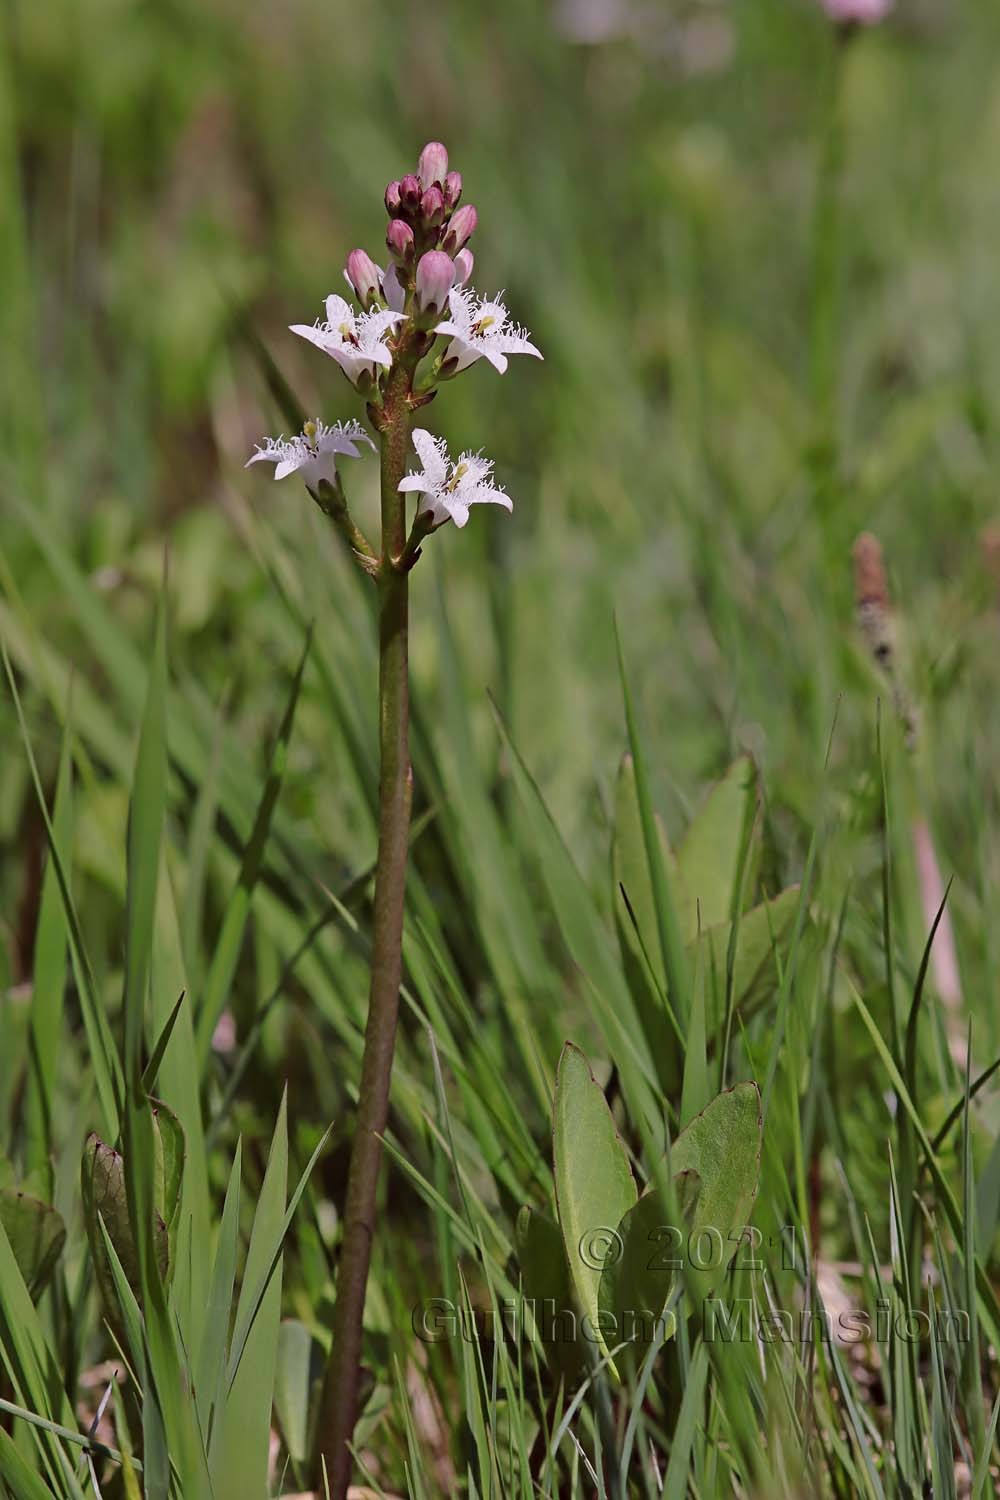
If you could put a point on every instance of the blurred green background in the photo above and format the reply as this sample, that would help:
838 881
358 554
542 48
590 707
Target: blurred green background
181 179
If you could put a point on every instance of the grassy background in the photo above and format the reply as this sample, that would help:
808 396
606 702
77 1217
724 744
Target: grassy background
181 181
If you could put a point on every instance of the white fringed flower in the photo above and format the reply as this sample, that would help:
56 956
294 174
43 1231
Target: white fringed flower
355 340
481 329
313 452
449 489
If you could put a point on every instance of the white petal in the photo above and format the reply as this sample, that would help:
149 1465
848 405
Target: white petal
518 344
449 327
459 512
433 454
476 470
416 482
350 361
464 353
378 321
496 311
462 301
314 335
488 496
269 458
289 465
392 290
338 311
496 358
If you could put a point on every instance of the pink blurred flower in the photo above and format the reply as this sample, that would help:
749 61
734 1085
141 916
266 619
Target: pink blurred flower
858 12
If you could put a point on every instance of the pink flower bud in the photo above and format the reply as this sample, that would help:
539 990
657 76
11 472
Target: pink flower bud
409 193
452 189
362 273
392 199
432 208
399 238
463 267
435 277
433 165
460 229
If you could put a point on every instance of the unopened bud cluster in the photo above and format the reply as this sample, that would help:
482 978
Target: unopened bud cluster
427 231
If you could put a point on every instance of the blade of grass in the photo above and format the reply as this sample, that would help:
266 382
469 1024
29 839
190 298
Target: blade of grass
104 1058
668 926
48 984
227 947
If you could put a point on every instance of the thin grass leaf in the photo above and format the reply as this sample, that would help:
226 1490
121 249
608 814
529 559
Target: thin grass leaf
107 1069
227 948
668 925
48 984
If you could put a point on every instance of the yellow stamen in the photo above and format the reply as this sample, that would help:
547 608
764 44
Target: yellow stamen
483 324
309 430
452 484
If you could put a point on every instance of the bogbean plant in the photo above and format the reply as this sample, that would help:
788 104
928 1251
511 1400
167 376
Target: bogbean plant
417 324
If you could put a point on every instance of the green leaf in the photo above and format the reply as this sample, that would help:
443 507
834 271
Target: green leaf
152 1068
695 1093
210 1355
635 922
298 1378
170 1155
36 1233
636 1284
584 933
545 1284
48 984
22 1480
665 904
709 855
105 1197
764 935
147 807
30 1363
104 1058
722 1145
675 1485
239 1453
593 1179
227 948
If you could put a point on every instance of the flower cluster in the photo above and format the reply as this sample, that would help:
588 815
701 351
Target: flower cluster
417 323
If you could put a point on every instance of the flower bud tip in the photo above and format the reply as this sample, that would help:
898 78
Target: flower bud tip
399 238
362 273
435 278
452 189
433 165
460 230
409 193
432 208
464 262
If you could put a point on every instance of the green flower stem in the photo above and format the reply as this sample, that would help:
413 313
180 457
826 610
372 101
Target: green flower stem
339 1403
332 502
